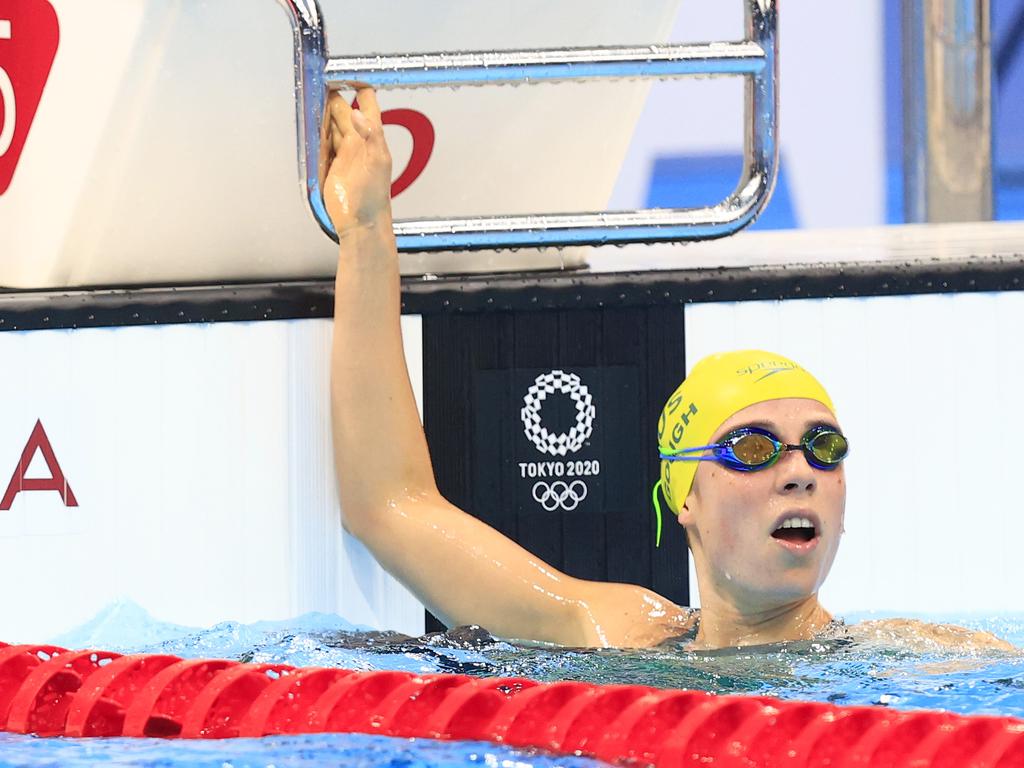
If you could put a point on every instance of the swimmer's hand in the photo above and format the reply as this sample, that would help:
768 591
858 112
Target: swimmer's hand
355 164
924 637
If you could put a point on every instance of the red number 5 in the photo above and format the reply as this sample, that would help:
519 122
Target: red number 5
29 35
7 104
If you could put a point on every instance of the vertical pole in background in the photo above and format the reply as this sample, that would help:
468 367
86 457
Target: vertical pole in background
947 110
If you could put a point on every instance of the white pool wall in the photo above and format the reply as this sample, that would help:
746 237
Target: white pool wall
200 457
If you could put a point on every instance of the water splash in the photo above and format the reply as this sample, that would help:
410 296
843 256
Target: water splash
837 669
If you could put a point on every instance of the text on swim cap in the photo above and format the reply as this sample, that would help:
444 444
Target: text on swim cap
679 428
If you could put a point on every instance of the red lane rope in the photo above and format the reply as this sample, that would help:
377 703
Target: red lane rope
52 691
98 708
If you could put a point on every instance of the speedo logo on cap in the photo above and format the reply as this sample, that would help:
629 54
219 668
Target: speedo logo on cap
767 368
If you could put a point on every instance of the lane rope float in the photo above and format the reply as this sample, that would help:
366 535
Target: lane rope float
52 691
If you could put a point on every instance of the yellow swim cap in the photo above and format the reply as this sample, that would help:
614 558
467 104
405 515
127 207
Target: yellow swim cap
717 387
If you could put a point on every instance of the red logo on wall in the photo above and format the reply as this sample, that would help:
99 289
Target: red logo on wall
422 131
419 125
28 43
38 441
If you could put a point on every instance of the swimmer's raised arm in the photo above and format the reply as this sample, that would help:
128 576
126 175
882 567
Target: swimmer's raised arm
463 570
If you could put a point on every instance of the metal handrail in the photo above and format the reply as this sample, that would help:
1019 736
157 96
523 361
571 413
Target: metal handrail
500 68
755 59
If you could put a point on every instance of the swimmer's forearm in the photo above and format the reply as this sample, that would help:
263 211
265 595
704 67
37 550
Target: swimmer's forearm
379 446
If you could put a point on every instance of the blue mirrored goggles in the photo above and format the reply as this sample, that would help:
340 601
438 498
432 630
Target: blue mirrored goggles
749 449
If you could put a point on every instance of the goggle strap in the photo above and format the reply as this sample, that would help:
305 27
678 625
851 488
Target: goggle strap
657 511
665 454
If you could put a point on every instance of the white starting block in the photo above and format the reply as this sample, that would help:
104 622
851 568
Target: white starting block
167 154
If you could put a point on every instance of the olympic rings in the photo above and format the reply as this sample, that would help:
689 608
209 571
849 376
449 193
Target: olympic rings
559 494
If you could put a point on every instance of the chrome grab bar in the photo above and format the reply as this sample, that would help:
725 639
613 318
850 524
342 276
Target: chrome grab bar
755 59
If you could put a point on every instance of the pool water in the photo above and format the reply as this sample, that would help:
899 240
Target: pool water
837 671
311 751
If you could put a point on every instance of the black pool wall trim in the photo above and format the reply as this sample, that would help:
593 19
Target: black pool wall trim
93 307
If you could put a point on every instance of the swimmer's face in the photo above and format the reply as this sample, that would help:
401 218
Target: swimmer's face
733 519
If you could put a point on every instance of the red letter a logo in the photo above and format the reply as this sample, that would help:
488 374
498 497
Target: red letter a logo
38 441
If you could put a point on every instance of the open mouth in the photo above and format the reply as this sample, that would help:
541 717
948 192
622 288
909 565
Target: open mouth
796 530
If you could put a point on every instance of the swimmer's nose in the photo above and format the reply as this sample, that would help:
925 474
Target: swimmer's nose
795 475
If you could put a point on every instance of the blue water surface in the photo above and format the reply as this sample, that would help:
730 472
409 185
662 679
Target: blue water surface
905 675
352 750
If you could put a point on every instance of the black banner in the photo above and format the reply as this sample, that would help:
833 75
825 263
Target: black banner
544 425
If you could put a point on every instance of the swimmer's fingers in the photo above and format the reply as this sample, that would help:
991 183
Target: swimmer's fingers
332 132
356 181
368 105
334 137
326 145
341 115
364 122
330 136
366 119
367 122
362 125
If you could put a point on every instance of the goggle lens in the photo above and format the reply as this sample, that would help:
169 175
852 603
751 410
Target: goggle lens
754 450
828 447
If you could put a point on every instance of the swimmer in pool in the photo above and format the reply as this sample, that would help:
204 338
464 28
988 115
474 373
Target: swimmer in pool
752 469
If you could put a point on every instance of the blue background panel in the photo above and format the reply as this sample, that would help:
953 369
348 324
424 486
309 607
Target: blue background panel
696 180
704 179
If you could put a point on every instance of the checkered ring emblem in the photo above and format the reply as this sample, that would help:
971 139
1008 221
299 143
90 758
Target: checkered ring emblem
566 384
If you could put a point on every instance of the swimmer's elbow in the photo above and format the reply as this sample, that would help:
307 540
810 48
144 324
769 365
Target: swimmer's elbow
373 519
355 520
353 512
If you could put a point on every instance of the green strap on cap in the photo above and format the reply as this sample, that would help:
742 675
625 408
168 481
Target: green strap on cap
657 511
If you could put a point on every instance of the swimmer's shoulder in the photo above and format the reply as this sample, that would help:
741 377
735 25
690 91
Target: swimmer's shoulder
918 635
630 616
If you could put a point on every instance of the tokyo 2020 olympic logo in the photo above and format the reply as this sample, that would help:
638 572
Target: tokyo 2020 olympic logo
560 484
566 384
